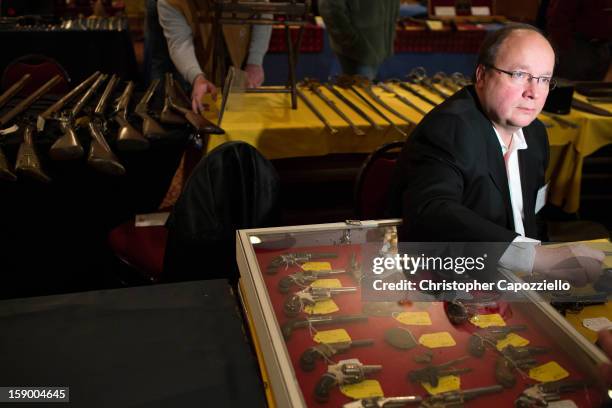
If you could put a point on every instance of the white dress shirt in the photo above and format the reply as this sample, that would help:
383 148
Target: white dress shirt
520 255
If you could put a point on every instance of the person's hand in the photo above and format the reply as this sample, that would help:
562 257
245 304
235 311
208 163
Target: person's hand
604 341
200 87
255 75
576 263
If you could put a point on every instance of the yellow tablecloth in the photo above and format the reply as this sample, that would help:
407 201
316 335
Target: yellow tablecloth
267 122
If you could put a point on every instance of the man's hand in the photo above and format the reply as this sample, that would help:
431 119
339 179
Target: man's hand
200 87
576 263
255 75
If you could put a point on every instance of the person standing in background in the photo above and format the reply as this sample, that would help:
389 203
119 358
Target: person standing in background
191 41
361 32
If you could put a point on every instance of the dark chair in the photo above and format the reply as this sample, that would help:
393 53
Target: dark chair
140 251
232 187
373 182
41 69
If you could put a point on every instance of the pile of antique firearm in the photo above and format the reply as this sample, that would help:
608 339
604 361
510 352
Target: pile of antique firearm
441 85
46 23
100 124
509 361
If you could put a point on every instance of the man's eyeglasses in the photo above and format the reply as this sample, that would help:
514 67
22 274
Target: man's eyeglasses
523 78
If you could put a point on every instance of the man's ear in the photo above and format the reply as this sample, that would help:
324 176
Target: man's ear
480 72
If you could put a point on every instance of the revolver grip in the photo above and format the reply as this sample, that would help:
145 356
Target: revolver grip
504 373
285 284
309 358
476 346
272 268
292 306
324 385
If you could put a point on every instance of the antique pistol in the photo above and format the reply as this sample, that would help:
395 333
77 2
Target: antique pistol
460 311
457 399
297 258
295 303
128 139
432 373
345 372
327 350
304 278
479 340
384 402
512 358
540 395
504 370
288 327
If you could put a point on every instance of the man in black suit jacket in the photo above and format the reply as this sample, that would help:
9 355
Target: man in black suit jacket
473 169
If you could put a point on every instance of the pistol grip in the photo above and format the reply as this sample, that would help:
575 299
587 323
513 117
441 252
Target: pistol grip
324 385
308 359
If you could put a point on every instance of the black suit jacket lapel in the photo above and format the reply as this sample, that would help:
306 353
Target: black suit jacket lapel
497 170
527 186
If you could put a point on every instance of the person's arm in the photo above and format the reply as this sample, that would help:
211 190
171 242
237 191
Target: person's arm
180 47
260 39
180 40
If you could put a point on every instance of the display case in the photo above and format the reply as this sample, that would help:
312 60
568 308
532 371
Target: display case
303 290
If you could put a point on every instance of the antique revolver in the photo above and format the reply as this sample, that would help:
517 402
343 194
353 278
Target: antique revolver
288 327
345 372
384 402
478 340
296 259
432 373
304 278
295 303
460 311
540 395
457 399
327 350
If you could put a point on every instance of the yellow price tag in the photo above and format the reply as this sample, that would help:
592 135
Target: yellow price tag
326 283
332 336
446 383
322 307
317 266
550 371
512 339
414 318
487 320
364 389
436 340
